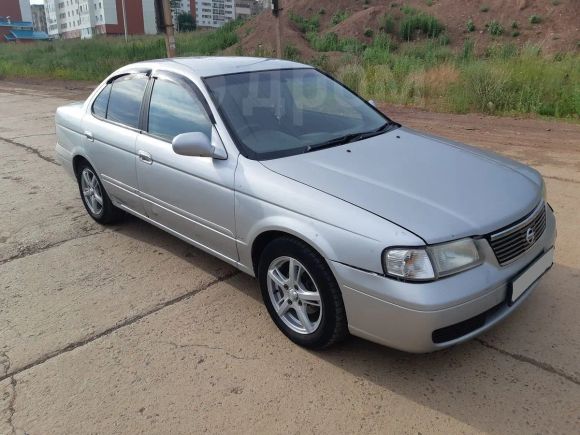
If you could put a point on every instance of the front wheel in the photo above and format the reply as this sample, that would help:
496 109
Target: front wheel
301 294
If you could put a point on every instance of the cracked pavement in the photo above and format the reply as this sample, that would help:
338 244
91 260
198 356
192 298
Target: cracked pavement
126 329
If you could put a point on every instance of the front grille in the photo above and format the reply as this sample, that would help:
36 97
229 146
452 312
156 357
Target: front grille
510 243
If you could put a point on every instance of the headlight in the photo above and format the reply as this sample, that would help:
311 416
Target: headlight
431 262
408 263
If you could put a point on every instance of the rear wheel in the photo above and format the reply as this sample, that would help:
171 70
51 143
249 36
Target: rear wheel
95 198
301 294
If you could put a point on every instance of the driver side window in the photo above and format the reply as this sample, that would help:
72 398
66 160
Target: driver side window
174 110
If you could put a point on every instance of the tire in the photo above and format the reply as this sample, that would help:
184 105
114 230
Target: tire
94 197
326 322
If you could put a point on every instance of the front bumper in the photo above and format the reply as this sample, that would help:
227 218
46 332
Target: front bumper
423 317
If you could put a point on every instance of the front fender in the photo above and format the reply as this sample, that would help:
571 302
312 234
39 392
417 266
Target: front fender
339 231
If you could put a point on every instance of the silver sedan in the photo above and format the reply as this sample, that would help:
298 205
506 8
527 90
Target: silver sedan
350 221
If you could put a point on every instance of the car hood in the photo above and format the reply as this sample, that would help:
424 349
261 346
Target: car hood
438 189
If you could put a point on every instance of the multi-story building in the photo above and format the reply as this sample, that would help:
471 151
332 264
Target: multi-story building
16 10
187 6
247 8
39 18
85 18
214 13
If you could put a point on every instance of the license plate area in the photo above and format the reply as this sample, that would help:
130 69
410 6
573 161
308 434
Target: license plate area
528 277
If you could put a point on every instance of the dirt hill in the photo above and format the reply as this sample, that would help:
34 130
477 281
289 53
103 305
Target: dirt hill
554 25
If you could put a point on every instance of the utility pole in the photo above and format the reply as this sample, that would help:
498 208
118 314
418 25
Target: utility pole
124 19
168 24
276 11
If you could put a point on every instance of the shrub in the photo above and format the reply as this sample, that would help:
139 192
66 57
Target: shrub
339 17
470 25
322 11
467 51
388 23
291 52
420 22
555 2
331 42
429 2
515 33
535 19
379 52
515 25
485 86
351 75
443 39
495 28
305 25
368 33
484 8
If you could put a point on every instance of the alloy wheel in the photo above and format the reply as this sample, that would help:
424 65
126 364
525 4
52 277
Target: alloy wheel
294 295
91 189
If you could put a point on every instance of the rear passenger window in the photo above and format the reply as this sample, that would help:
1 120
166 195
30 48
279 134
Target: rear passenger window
101 102
125 100
174 110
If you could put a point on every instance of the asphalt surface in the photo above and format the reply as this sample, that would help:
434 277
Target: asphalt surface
126 329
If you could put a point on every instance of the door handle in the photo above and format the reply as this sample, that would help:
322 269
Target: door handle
145 157
89 136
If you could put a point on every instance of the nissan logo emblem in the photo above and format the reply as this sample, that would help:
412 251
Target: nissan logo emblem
530 236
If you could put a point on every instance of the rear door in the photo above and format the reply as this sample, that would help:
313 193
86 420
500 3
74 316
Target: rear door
192 196
111 131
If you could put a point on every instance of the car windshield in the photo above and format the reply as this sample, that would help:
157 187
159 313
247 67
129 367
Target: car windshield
279 113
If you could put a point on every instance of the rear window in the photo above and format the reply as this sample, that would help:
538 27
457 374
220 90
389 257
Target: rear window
101 102
125 100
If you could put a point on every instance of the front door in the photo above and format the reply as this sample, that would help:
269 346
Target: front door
192 196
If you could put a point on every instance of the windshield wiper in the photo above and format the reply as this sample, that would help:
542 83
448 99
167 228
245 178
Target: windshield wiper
348 138
332 142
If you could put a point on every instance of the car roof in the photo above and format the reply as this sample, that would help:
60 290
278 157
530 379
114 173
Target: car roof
207 66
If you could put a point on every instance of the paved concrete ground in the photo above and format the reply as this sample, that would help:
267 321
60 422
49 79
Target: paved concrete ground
126 329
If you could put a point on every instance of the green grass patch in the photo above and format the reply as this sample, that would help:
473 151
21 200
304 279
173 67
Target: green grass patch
507 80
94 59
339 17
332 42
305 25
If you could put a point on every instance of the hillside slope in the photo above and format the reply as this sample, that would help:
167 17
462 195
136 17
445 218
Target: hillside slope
553 25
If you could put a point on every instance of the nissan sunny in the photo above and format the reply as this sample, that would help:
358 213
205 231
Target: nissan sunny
351 222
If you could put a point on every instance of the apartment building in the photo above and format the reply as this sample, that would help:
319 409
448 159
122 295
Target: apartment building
214 13
247 8
187 6
86 18
16 10
39 18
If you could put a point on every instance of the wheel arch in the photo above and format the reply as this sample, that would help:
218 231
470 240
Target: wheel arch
262 239
76 161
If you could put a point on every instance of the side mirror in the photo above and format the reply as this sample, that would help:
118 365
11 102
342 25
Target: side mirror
372 103
193 144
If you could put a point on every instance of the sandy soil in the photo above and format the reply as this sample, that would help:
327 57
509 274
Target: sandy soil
126 329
